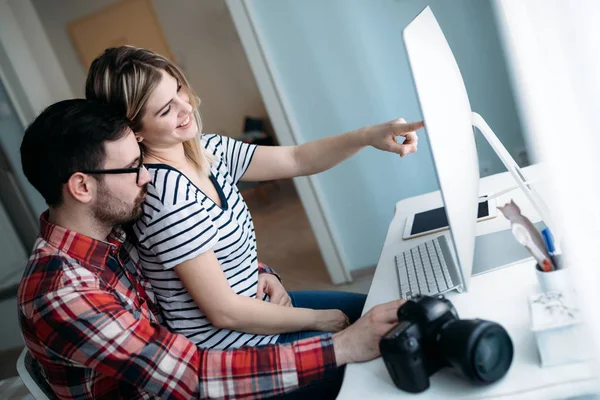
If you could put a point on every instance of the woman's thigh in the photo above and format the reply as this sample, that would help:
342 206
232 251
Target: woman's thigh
350 303
295 336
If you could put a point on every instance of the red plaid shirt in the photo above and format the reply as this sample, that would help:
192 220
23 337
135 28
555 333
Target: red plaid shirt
89 319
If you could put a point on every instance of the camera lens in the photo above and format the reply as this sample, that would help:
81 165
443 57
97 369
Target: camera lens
482 350
493 354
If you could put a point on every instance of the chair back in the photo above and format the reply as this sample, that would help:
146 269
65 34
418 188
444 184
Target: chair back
30 373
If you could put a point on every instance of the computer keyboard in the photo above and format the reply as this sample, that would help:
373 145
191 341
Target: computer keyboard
424 269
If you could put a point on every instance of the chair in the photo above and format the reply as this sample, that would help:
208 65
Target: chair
30 373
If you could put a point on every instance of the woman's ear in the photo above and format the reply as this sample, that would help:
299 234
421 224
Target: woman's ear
79 186
139 138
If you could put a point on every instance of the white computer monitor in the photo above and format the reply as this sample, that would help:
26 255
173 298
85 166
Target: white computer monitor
449 122
446 112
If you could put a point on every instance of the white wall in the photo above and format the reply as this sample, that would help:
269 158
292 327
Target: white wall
203 41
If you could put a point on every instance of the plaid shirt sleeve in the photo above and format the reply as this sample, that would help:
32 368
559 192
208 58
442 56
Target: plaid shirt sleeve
87 326
265 269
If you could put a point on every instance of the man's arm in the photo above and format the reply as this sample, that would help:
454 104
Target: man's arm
265 269
88 326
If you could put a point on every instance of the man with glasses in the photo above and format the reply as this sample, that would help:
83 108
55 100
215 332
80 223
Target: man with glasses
88 316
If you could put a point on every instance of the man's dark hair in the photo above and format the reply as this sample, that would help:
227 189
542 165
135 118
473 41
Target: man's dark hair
65 138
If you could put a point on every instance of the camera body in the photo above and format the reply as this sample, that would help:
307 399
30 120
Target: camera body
430 336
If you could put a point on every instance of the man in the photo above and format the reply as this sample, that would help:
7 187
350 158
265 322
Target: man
88 317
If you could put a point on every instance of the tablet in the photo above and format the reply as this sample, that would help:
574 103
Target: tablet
435 220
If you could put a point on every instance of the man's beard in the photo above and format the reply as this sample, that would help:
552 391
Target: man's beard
111 210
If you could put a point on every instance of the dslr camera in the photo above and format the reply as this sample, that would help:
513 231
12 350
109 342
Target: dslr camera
430 336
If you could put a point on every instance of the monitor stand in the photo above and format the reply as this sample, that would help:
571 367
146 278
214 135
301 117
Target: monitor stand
510 164
497 250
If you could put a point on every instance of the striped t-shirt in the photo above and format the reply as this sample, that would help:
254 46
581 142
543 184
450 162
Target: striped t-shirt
180 222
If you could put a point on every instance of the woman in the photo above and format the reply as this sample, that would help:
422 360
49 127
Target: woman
196 237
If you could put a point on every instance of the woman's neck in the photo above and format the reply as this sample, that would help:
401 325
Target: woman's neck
173 156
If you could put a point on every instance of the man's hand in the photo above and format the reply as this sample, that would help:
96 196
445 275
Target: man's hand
360 341
269 284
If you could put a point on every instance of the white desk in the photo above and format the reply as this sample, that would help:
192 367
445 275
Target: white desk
500 296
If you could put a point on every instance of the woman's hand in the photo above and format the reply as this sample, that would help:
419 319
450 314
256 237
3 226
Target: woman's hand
383 136
331 320
269 284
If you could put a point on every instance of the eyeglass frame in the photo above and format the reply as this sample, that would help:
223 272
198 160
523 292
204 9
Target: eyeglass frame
136 170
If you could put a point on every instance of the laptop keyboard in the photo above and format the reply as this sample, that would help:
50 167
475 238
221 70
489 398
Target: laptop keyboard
423 269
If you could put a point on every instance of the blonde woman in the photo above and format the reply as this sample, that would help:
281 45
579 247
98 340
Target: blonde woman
196 238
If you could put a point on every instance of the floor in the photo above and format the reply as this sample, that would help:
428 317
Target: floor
8 363
285 243
13 389
11 386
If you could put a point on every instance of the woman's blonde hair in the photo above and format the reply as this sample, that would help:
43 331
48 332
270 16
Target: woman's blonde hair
125 76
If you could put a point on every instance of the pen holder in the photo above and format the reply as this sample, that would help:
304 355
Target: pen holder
553 281
558 280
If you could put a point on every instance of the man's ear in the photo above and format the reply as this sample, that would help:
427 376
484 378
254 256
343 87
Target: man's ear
81 187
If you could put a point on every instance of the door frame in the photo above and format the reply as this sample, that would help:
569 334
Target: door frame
288 133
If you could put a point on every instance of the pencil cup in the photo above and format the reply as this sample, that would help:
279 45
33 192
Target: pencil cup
553 281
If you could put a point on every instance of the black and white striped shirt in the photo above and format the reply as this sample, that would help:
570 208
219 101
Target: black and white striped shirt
180 222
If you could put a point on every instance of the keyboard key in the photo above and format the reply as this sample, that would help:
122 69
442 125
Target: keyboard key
403 277
400 260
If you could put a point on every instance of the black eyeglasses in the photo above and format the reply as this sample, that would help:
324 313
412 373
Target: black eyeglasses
137 170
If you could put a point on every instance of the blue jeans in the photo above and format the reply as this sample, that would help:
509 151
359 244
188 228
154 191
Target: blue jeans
352 305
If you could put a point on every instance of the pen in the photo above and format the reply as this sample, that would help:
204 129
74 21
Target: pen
549 241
